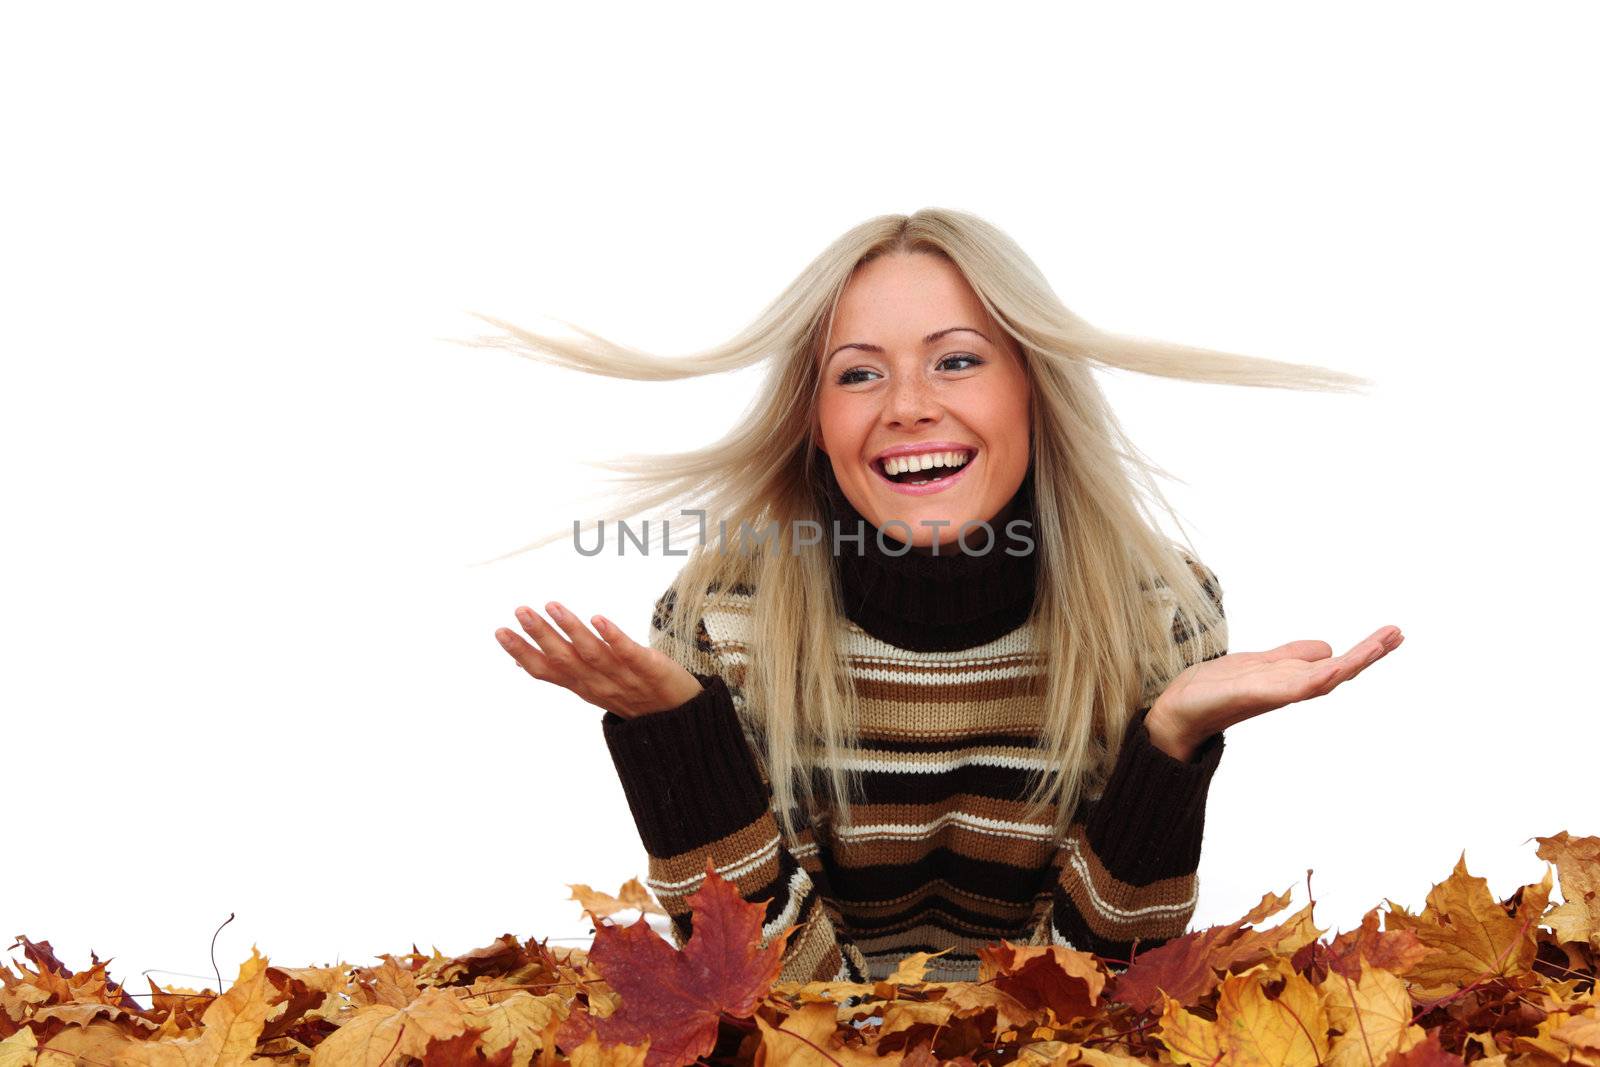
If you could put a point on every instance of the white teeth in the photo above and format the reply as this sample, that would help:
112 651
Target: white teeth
900 464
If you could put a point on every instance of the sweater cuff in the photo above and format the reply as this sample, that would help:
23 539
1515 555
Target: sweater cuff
688 772
1148 822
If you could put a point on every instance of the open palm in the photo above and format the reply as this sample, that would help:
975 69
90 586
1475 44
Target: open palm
1217 693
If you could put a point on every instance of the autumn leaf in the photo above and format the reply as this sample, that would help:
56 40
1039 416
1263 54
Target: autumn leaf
1252 1029
1373 1012
463 1051
1577 859
1289 1030
1183 968
1469 933
1426 1053
594 1054
673 999
1392 950
232 1025
1483 980
633 895
1067 982
810 1038
374 1032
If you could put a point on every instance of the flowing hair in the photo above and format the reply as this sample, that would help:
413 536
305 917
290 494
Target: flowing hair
1101 549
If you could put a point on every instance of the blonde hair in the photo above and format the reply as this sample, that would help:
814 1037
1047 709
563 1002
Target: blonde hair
1100 548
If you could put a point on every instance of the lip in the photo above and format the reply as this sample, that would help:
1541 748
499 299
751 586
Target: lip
934 487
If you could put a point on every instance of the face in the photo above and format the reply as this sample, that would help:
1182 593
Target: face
916 367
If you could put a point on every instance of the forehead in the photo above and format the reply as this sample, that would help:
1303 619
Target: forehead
905 294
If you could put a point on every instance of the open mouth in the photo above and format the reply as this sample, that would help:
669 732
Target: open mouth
929 469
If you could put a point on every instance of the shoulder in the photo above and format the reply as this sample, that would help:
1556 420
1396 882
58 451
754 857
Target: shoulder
1183 640
718 620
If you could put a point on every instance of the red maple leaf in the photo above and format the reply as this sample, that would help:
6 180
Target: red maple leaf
673 999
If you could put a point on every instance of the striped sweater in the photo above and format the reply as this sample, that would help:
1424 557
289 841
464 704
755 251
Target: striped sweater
938 854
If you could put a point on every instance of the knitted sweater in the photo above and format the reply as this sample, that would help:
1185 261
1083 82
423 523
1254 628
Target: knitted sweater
937 855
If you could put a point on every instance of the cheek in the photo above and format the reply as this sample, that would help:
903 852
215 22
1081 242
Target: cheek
839 423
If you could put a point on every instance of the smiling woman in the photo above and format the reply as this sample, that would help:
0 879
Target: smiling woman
903 738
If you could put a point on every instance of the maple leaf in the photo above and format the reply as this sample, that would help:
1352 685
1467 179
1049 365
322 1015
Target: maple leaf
673 999
463 1051
1184 968
1252 1029
1426 1053
593 1054
810 1038
1373 1012
1578 861
1392 950
603 905
369 1035
232 1024
1470 935
1064 980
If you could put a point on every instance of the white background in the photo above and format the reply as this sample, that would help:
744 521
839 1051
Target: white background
249 665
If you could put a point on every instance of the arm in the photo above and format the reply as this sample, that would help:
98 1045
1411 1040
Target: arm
1127 870
696 787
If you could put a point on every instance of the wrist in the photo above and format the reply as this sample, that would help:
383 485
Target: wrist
1168 735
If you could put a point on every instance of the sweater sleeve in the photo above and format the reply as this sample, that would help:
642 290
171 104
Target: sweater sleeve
1127 870
697 789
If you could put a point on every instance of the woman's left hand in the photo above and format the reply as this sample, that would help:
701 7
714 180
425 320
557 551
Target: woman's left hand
1216 694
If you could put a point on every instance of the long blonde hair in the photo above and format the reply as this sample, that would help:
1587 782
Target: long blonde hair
1101 550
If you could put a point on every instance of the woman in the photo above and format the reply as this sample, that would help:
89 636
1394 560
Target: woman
995 714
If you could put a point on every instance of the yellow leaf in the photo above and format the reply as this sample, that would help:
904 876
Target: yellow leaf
528 1020
378 1034
1374 1015
808 1038
231 1026
18 1049
1188 1037
1255 1031
593 1054
1469 934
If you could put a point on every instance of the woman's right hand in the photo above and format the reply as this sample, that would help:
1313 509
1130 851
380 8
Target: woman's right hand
610 671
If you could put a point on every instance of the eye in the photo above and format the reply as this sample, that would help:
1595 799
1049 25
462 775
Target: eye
977 361
849 377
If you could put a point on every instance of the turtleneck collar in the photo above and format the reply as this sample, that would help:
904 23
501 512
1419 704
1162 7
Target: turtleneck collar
917 600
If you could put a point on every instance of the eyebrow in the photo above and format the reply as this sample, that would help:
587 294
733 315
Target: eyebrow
928 340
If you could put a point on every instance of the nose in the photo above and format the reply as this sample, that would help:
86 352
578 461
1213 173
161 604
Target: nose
909 402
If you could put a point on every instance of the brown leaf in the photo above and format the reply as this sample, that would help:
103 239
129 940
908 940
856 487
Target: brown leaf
633 895
463 1051
1183 968
1066 981
1427 1053
1577 859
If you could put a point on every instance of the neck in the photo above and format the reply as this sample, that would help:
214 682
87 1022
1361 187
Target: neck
938 597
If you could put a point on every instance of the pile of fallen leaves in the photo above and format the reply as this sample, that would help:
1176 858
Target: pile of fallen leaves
1467 979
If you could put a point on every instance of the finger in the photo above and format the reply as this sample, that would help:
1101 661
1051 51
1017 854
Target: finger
555 647
594 652
1373 648
527 657
625 647
1306 650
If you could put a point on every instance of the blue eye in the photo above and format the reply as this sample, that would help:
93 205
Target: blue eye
854 374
